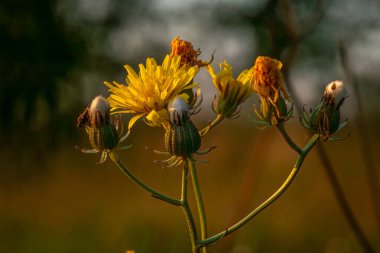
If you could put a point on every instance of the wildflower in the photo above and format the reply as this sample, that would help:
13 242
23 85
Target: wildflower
325 118
267 83
104 135
182 138
149 92
231 92
189 56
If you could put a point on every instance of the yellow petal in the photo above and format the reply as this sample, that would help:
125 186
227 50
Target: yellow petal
133 120
158 118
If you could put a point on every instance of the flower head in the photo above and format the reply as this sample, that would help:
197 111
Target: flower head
149 92
232 92
189 56
324 119
104 135
267 83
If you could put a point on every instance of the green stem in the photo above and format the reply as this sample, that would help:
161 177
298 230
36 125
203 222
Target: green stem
335 185
289 140
269 201
187 211
147 188
199 201
214 123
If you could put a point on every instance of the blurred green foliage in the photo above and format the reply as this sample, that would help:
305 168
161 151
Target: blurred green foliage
37 52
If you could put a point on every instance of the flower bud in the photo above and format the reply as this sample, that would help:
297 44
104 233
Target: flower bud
99 112
103 138
182 137
178 110
231 92
324 119
102 133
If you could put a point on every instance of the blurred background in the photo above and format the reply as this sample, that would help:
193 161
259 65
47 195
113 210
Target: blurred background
55 56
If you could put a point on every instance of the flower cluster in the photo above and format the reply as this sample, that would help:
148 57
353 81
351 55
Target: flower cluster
163 95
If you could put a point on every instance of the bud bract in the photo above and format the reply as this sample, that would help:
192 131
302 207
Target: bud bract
324 119
182 137
102 132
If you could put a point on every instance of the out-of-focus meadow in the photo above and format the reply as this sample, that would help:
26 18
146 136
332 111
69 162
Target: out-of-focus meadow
55 56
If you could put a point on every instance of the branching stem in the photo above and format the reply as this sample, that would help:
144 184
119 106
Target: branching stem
289 140
147 188
215 238
219 118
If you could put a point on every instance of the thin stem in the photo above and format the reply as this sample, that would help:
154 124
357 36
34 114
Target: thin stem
337 188
147 188
187 211
365 143
199 201
269 201
342 200
291 143
219 118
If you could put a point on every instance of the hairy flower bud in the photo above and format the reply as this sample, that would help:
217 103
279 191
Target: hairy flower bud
102 133
324 119
99 111
182 138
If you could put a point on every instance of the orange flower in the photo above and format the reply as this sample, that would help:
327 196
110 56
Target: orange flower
185 49
267 83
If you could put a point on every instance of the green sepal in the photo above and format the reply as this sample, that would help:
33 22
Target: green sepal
182 139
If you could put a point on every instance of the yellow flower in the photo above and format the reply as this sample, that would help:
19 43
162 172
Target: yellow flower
232 92
189 56
149 92
267 83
